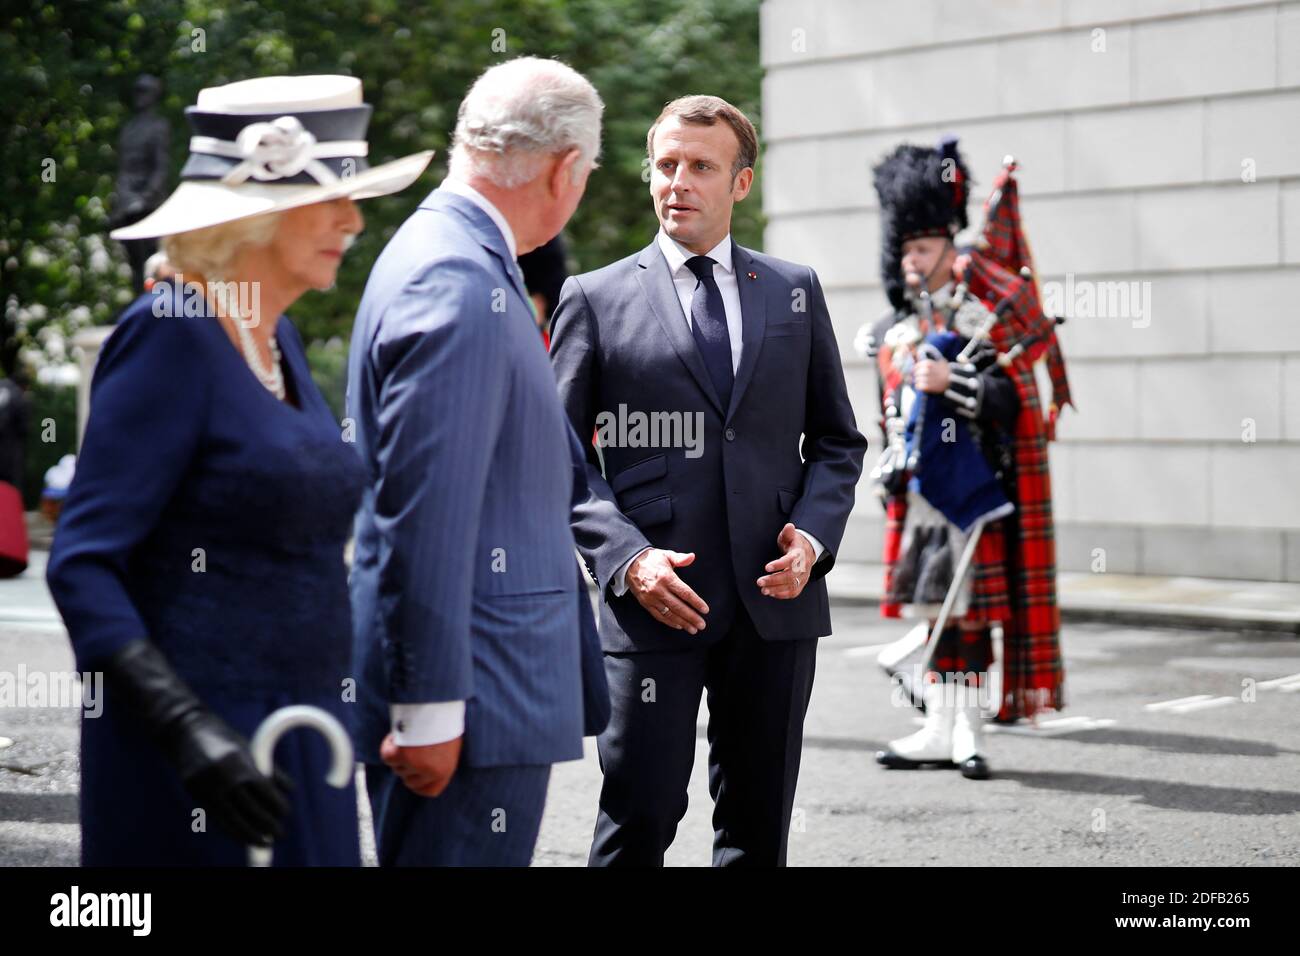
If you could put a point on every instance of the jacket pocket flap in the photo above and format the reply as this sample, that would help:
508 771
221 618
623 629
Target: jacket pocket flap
786 328
641 472
652 512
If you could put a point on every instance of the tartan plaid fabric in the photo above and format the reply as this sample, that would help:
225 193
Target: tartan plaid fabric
964 649
895 513
990 598
1033 672
1005 239
1023 320
1006 250
1060 385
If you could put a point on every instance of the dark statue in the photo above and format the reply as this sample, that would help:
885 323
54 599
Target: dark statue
143 152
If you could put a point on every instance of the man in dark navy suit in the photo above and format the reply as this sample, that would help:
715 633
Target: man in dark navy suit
728 456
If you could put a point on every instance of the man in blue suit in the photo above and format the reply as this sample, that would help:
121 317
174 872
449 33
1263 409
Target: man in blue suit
470 614
711 377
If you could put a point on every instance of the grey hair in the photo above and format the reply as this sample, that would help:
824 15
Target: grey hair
520 113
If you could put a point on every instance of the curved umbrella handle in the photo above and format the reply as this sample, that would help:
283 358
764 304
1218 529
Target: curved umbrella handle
276 726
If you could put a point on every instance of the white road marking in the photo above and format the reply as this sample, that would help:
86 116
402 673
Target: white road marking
1185 705
1052 728
1280 682
1064 721
1204 704
5 742
1171 704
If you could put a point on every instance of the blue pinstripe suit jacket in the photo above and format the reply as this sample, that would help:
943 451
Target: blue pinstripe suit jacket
464 584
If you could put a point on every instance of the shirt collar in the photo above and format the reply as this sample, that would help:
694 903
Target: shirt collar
477 198
677 255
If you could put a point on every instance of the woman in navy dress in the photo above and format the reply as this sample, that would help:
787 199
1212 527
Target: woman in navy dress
199 562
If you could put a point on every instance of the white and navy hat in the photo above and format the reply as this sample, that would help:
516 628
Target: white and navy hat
274 143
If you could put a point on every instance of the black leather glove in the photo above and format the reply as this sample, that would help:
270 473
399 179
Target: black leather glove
213 760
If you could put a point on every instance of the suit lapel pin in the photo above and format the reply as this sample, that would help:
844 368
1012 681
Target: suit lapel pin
752 275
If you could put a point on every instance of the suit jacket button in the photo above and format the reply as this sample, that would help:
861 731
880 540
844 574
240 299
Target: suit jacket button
730 434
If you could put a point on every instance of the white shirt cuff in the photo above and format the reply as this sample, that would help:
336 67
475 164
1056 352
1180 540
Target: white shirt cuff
817 546
619 583
419 725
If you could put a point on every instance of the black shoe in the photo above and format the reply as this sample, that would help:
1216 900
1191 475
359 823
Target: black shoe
887 758
975 768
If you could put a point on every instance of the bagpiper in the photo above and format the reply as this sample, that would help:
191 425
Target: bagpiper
969 544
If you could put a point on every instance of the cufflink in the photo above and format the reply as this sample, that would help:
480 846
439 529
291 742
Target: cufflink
400 726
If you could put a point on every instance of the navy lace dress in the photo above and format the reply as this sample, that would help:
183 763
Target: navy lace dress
211 518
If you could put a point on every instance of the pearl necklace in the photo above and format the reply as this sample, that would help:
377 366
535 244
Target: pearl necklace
272 379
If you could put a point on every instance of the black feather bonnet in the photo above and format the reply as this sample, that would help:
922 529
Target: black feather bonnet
923 192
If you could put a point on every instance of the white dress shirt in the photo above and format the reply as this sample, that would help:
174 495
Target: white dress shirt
724 274
418 725
685 281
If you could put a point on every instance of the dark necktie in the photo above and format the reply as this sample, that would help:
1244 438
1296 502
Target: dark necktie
709 326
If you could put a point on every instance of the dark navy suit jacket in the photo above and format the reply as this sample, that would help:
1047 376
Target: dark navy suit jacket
465 585
787 449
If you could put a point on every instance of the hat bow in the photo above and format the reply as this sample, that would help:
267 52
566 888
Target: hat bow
277 150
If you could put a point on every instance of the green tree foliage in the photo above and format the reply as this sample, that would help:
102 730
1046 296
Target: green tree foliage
52 433
68 68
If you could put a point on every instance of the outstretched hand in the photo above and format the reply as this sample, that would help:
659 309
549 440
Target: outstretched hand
787 576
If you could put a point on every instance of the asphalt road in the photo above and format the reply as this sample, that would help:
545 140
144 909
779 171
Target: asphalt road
1214 779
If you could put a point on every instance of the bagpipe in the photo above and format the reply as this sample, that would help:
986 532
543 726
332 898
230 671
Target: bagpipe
998 288
1001 270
